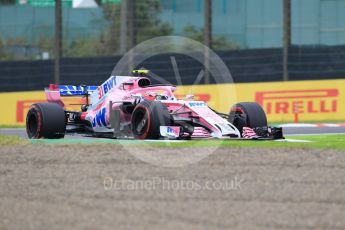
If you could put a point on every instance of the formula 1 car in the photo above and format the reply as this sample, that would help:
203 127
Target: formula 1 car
130 106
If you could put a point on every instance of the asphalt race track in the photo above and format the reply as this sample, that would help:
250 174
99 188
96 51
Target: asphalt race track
312 130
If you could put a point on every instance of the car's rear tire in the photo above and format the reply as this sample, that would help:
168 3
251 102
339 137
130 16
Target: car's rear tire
147 118
247 114
46 120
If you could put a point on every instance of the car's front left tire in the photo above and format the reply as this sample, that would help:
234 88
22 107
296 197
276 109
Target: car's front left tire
247 114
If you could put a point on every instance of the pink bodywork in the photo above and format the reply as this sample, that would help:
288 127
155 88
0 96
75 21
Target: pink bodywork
128 89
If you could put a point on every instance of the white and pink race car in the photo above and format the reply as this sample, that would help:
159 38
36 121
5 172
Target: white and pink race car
130 106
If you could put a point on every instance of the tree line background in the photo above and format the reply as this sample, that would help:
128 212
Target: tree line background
147 24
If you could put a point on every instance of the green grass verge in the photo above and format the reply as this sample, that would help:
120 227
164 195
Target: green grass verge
334 141
316 142
11 140
11 126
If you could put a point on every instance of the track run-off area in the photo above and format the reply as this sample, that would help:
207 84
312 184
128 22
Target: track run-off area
98 185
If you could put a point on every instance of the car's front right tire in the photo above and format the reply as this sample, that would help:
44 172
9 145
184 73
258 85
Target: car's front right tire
147 118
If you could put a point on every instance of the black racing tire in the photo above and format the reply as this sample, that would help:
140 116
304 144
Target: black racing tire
46 120
147 117
247 114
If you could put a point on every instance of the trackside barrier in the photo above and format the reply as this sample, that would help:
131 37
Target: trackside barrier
322 100
15 105
282 101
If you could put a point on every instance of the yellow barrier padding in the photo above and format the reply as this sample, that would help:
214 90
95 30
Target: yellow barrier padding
312 100
16 105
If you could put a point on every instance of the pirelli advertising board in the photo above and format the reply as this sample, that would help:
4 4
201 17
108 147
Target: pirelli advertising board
15 105
312 100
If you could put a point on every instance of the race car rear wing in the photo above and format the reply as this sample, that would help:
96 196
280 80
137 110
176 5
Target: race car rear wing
55 92
72 90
